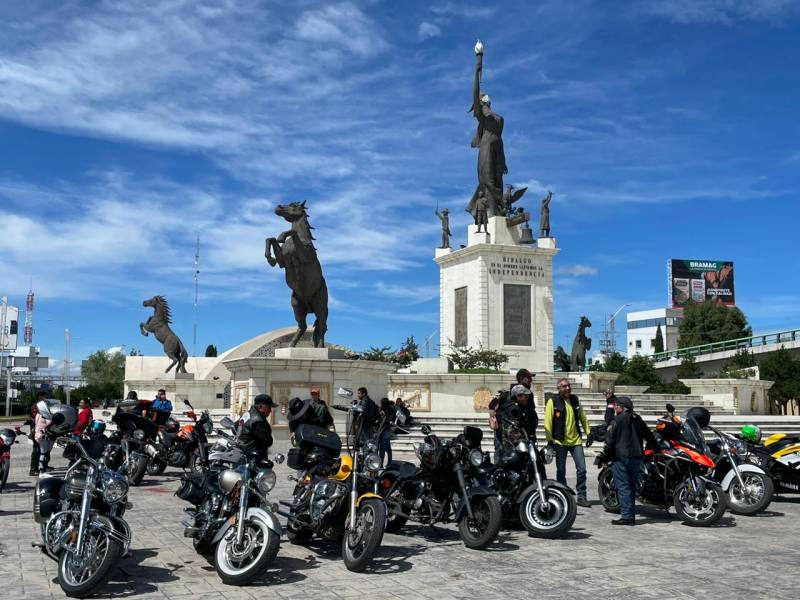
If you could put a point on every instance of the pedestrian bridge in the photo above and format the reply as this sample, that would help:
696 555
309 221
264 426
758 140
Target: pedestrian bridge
712 357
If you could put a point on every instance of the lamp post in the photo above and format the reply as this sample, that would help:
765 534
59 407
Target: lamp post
67 338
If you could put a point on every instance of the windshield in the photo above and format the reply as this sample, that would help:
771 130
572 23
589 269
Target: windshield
693 434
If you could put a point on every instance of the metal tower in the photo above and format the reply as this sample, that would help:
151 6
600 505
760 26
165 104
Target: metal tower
196 288
28 336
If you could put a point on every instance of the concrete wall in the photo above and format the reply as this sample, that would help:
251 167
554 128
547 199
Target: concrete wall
743 396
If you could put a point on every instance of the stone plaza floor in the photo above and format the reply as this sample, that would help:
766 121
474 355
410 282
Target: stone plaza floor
741 557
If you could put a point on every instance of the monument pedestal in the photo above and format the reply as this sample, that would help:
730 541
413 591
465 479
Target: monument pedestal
309 353
173 376
498 294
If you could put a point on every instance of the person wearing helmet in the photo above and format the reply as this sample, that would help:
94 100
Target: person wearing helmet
751 433
43 443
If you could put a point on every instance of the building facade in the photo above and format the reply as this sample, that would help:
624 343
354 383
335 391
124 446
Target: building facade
642 328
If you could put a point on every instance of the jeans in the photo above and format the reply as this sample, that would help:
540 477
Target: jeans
35 452
45 445
580 466
626 479
385 446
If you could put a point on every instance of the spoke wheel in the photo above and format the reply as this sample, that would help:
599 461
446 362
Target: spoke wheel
607 491
238 564
552 518
754 497
80 576
360 544
699 509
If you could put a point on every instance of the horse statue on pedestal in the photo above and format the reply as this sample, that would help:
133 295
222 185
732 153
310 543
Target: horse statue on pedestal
158 325
294 252
580 346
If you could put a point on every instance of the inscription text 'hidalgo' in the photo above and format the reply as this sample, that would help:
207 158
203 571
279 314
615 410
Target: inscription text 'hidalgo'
516 266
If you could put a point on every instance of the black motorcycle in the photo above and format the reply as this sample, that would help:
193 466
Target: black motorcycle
180 447
232 524
81 517
132 435
546 508
447 487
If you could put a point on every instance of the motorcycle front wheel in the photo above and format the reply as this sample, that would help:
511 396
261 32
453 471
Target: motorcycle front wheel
359 545
80 576
552 518
136 468
155 466
4 468
699 509
754 497
607 491
482 529
238 565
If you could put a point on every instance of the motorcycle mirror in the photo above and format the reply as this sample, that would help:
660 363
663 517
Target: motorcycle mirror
344 392
278 459
226 422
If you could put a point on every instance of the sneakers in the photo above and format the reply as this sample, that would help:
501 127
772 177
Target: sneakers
582 501
623 522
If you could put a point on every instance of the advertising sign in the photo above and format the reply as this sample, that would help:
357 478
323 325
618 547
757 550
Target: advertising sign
9 316
695 281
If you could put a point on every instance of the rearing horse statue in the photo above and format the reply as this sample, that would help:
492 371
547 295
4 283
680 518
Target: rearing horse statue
158 325
295 253
580 346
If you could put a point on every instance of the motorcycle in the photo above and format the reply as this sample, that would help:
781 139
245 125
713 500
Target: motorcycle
132 435
8 437
232 522
678 474
779 457
180 446
335 496
546 508
81 516
448 486
748 487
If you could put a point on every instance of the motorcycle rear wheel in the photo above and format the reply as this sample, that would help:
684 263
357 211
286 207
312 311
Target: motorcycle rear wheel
240 566
359 546
552 521
5 466
155 466
136 471
607 491
703 511
81 580
753 500
481 531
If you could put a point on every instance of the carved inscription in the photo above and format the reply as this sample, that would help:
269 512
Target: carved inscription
461 335
516 315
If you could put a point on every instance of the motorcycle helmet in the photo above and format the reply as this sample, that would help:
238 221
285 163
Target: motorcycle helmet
751 433
62 420
700 415
97 427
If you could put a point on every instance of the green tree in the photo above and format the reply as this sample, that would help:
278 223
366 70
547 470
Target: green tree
211 350
659 344
408 353
135 352
784 370
639 370
104 373
688 369
710 322
615 363
739 366
466 358
379 354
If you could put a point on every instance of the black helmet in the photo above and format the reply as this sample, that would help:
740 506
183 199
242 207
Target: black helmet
700 415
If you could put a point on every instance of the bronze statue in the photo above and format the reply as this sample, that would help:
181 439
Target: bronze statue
489 141
444 217
295 252
580 346
158 325
481 209
509 198
544 223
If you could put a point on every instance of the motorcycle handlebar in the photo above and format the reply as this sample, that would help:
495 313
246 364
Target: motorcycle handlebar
341 407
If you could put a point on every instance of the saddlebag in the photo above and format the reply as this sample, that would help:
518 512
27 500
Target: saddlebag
192 488
311 437
46 498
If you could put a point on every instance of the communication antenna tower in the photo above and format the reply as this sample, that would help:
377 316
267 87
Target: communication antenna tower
28 335
196 289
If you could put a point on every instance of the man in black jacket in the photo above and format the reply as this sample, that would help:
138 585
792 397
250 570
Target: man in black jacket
611 403
254 430
623 445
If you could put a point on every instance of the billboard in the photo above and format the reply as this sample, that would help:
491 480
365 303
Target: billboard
695 281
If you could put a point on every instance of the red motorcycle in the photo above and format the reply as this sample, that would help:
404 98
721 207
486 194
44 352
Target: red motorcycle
8 437
677 475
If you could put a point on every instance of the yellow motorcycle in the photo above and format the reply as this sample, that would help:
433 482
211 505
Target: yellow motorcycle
336 494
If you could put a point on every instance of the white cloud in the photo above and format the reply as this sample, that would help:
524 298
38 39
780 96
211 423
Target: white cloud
577 270
428 30
461 9
724 12
411 294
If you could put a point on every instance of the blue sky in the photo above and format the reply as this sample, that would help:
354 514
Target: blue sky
666 129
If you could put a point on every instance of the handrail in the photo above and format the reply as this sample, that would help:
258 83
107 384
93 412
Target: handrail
763 339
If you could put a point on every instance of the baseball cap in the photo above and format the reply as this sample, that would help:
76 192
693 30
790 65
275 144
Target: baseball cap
263 400
520 389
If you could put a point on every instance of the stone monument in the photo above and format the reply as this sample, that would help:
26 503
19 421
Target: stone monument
497 292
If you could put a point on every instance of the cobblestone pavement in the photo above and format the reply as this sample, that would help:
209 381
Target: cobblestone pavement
742 557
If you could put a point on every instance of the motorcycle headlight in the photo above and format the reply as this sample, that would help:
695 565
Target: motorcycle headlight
476 458
114 489
138 435
265 481
372 462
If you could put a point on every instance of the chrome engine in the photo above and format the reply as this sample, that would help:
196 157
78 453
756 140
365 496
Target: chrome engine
325 498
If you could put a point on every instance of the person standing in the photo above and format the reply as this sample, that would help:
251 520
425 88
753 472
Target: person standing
611 403
161 408
524 378
85 417
624 438
44 443
564 421
254 430
369 416
385 431
31 422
